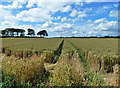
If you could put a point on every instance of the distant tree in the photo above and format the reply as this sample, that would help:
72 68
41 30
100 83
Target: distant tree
43 32
11 31
22 32
31 32
17 31
8 31
61 37
3 32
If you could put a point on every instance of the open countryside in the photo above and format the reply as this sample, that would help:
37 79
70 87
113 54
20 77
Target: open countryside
61 43
60 62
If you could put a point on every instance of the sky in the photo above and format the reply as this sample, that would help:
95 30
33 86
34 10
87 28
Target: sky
64 18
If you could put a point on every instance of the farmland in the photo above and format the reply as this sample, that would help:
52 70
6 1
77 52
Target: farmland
27 43
58 62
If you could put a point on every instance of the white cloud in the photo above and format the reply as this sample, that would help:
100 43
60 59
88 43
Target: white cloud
115 5
20 6
89 1
79 14
103 20
5 12
100 27
49 24
113 13
6 18
112 25
75 32
89 21
31 3
57 27
15 4
62 27
79 3
82 14
30 15
58 17
75 19
105 7
44 10
22 1
73 13
66 9
64 19
51 6
92 32
6 23
87 10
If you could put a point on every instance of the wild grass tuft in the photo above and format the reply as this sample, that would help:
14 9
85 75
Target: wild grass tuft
23 70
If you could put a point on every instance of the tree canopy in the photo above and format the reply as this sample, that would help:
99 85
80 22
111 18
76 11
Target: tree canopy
31 32
43 32
11 31
20 32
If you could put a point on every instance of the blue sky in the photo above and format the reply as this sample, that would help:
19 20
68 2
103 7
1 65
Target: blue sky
61 18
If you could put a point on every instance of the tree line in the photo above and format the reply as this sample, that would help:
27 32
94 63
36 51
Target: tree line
21 32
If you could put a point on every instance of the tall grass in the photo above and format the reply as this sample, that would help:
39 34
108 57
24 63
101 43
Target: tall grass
17 71
102 54
90 79
68 72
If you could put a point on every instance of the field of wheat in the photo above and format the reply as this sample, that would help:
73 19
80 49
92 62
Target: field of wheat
36 62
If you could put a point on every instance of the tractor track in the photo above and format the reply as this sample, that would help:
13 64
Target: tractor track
58 52
82 59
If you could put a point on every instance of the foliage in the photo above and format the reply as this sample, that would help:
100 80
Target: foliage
31 32
43 32
10 31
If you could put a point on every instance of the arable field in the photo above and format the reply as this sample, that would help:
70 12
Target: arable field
36 62
30 43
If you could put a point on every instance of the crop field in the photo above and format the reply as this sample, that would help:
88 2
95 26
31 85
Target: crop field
36 62
97 45
33 43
